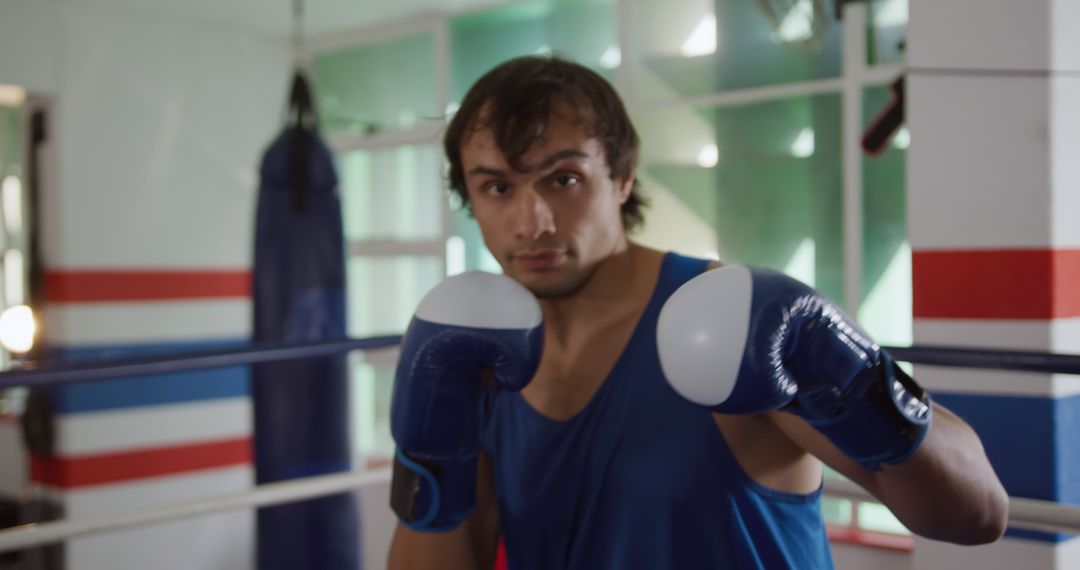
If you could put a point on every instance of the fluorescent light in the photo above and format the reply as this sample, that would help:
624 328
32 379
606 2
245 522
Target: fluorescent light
803 147
893 13
488 262
455 255
11 196
902 138
709 156
798 24
886 309
544 50
12 95
702 41
801 264
612 58
14 277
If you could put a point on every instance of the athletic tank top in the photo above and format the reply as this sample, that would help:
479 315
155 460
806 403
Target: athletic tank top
640 478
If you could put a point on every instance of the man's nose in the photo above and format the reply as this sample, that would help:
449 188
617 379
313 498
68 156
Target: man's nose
534 216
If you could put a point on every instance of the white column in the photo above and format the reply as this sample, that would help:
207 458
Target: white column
993 99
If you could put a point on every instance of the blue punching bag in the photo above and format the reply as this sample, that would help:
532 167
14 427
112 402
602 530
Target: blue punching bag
301 406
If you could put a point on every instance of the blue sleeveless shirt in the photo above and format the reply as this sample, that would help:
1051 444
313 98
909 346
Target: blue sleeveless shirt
640 478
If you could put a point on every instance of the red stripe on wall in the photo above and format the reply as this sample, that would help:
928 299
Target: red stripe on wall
101 286
858 537
996 284
85 471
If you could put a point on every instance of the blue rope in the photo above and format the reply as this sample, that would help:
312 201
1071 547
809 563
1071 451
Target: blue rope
961 357
45 373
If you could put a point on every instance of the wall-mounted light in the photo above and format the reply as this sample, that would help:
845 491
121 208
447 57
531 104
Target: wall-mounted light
17 329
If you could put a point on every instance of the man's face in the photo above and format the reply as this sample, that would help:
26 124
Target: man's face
551 225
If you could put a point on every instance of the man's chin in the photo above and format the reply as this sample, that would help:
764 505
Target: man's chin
553 286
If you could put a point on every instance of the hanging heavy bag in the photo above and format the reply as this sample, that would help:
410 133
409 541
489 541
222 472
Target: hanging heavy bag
301 406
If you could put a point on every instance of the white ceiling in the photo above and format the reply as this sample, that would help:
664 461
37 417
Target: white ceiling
275 16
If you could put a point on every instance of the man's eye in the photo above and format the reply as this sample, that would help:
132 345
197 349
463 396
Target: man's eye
497 188
565 180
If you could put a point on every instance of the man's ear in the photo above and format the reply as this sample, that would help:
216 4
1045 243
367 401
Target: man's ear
626 186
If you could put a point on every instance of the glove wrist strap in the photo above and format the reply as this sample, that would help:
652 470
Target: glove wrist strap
432 496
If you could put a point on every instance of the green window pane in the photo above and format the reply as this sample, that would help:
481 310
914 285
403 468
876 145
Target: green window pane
876 517
765 176
887 23
836 511
372 385
383 292
386 86
392 194
885 309
690 47
580 30
11 139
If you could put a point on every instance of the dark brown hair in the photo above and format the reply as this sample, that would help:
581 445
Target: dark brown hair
516 100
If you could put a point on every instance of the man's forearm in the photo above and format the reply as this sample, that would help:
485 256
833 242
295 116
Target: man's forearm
451 550
947 490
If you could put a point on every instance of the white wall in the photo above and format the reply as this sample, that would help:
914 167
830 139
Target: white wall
12 461
852 557
162 122
377 523
158 125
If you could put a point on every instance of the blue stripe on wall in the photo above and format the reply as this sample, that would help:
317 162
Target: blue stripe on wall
150 390
1031 441
1067 428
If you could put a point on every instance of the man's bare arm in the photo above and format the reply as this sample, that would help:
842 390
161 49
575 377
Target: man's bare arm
947 490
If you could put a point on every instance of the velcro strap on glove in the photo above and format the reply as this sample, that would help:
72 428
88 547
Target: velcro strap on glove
432 496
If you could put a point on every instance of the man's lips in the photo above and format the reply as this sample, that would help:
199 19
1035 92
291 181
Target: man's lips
540 259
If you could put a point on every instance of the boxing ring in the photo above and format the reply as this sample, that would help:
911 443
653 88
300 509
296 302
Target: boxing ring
1024 513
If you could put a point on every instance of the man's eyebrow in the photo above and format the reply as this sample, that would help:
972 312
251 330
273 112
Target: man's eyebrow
559 156
480 170
548 162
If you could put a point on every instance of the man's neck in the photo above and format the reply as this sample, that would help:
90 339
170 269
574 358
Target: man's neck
605 294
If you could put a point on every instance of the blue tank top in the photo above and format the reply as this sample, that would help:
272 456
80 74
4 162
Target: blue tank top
640 478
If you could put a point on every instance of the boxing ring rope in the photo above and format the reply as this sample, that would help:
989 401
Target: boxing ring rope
33 375
1023 513
1028 514
30 535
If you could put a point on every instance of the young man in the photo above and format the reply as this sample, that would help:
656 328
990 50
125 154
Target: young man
612 455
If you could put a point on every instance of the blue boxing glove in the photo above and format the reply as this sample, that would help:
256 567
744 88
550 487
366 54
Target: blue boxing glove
745 340
468 326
